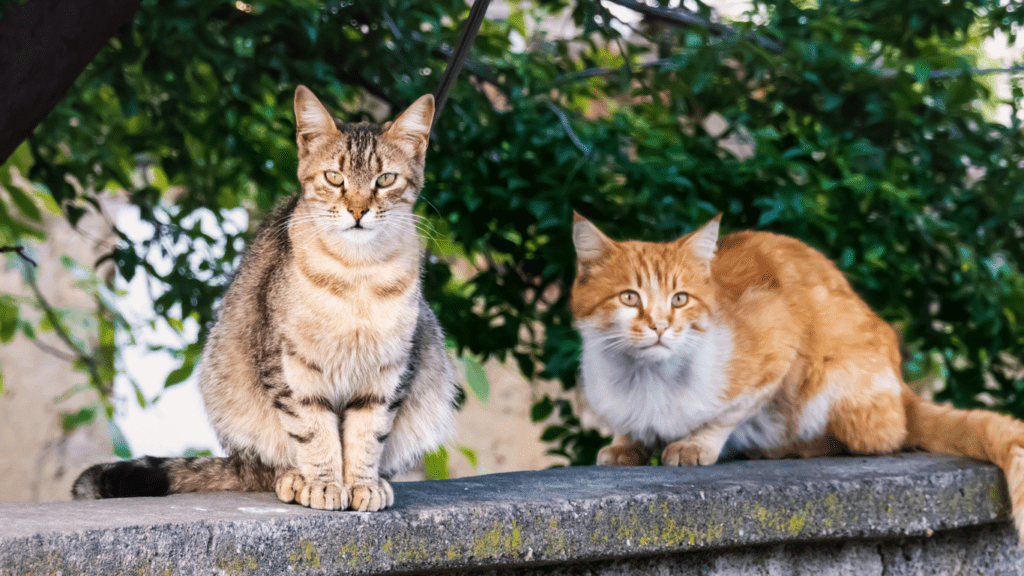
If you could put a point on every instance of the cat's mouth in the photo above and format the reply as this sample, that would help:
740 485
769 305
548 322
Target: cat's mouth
358 234
358 227
658 344
658 351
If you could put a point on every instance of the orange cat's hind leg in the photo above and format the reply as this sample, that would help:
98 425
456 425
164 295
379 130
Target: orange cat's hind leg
624 451
867 413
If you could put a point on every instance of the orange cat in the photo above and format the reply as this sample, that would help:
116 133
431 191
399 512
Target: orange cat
753 344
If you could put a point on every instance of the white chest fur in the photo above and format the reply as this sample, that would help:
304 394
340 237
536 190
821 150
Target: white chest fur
657 400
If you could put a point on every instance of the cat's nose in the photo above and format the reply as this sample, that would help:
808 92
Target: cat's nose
660 326
358 213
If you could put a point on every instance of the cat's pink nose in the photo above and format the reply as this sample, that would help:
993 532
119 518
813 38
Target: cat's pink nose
660 326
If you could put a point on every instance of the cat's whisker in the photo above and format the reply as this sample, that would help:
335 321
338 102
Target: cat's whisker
408 217
423 226
408 225
300 222
315 231
429 203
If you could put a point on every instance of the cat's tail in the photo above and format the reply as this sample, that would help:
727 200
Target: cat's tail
153 476
973 433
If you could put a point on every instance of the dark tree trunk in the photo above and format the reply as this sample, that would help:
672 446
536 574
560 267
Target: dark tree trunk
44 46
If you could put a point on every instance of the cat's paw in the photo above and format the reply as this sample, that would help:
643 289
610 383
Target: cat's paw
683 453
293 487
371 497
633 454
288 486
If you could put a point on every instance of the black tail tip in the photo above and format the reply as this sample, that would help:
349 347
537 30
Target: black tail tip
144 476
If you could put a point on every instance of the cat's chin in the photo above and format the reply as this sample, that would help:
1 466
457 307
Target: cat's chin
357 236
655 353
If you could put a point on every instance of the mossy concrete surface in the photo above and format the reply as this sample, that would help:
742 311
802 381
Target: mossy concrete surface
516 521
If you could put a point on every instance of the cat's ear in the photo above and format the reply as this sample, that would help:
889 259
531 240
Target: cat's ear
590 242
311 118
413 125
704 242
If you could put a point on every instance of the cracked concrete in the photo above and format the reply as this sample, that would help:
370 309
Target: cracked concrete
822 516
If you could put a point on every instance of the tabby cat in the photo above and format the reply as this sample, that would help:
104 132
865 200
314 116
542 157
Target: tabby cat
326 372
753 344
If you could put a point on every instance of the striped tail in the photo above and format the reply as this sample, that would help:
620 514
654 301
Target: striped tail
153 476
973 433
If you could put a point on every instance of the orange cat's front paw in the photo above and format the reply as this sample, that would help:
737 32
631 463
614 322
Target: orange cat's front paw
634 454
372 497
683 453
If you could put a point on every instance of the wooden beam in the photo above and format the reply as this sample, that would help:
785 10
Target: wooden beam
44 46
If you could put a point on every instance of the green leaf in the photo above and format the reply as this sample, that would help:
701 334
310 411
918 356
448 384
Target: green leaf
181 373
176 323
194 147
71 392
831 101
517 20
24 203
84 416
121 449
470 455
435 464
139 396
541 409
20 159
476 377
553 432
8 318
921 71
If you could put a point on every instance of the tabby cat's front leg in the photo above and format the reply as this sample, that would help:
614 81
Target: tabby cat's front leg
366 427
309 419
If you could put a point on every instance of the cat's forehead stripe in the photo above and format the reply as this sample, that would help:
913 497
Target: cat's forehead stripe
360 147
655 269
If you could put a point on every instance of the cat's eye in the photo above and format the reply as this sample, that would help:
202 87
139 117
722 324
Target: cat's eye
385 180
679 299
630 298
334 178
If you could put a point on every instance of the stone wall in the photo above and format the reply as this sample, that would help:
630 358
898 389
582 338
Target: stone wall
895 515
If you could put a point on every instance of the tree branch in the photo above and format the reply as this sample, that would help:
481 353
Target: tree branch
888 73
62 333
683 17
356 79
884 73
53 351
20 251
44 46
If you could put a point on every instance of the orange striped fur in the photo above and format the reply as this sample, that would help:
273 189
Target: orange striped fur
753 344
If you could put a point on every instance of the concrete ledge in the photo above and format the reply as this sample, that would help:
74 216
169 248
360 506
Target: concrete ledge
551 521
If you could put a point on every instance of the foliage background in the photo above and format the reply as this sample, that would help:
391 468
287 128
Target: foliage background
872 142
